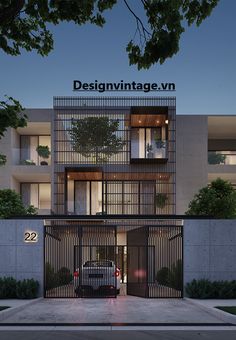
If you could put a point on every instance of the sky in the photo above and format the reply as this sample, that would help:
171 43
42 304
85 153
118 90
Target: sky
204 70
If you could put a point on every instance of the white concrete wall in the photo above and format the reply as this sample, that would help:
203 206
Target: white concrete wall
209 250
191 158
19 259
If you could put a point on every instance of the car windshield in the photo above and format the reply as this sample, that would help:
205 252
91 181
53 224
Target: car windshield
98 264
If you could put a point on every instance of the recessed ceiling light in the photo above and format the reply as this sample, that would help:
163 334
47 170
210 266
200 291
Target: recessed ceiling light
158 121
140 121
166 121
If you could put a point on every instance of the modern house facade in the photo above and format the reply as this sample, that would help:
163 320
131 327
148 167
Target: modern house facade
117 198
162 153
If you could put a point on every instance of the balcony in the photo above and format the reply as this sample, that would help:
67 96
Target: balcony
147 151
28 156
29 168
38 195
33 150
222 157
222 164
148 145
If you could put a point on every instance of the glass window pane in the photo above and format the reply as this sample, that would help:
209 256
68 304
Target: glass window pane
44 196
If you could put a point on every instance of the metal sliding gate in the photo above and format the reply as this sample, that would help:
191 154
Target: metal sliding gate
80 261
155 262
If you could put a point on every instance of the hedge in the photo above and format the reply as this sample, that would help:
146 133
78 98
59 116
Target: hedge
10 288
206 289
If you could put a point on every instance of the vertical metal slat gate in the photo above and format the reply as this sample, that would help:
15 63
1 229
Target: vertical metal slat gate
155 261
80 261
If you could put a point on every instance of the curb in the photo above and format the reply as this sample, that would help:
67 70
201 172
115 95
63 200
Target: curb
12 310
116 328
221 315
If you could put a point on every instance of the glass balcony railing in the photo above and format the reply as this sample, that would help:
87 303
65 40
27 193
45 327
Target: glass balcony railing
222 157
156 150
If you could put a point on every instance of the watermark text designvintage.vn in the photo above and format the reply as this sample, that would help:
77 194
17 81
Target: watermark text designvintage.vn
122 86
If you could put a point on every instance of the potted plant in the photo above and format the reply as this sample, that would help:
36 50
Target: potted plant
159 143
216 158
43 152
27 162
161 200
149 151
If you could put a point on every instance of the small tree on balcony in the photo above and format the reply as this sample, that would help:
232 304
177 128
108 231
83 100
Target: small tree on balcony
96 137
218 200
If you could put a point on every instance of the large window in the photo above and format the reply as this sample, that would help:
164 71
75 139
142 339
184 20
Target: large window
148 143
119 197
36 194
84 197
28 150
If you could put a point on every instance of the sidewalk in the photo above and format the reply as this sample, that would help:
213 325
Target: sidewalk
209 306
16 305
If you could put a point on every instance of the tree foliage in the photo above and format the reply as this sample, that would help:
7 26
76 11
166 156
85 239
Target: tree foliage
11 115
96 137
11 205
218 200
24 24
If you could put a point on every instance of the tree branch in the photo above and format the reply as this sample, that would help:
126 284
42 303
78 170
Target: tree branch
139 21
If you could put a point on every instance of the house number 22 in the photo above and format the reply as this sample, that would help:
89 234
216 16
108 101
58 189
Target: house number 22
31 236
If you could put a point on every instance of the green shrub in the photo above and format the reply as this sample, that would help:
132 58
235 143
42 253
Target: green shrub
216 158
161 200
51 280
11 289
176 275
206 289
27 289
8 288
43 151
162 276
171 277
11 205
55 279
64 276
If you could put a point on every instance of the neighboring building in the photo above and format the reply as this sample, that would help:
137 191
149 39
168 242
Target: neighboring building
117 203
205 150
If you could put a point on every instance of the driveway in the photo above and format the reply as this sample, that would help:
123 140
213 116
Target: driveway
124 309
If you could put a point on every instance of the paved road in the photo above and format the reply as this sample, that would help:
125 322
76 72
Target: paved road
119 335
